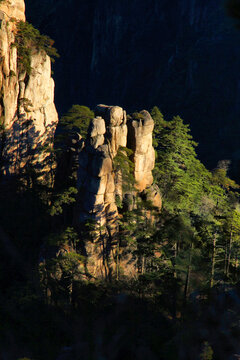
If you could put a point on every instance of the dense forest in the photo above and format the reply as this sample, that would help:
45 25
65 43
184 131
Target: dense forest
182 300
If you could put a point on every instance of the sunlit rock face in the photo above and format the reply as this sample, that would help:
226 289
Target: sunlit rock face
100 183
13 9
28 115
140 141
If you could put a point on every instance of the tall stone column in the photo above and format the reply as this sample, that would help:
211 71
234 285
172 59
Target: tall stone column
99 182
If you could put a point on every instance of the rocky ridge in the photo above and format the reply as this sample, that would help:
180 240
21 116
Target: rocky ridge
28 115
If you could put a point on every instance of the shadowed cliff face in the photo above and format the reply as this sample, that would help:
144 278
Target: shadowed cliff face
183 57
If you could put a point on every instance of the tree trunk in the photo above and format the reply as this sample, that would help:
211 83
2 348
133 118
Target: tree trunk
117 260
225 258
143 265
213 261
175 257
229 253
187 282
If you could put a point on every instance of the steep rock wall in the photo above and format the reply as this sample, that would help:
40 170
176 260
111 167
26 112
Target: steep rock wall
27 112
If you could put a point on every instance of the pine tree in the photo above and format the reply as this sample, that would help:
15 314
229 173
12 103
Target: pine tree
77 118
182 178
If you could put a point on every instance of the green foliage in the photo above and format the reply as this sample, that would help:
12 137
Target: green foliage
78 118
220 178
196 206
181 177
159 124
180 255
70 263
66 237
123 164
207 352
67 265
27 41
63 199
71 132
137 115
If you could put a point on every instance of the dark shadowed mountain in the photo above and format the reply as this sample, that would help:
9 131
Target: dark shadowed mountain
183 56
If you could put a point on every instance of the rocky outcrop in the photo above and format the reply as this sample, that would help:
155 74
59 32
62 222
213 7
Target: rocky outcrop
100 181
28 115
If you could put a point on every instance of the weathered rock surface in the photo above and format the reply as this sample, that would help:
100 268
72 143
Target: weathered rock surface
100 182
28 115
96 176
140 141
13 9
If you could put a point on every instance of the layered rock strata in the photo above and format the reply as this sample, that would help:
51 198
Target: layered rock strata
28 115
100 182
